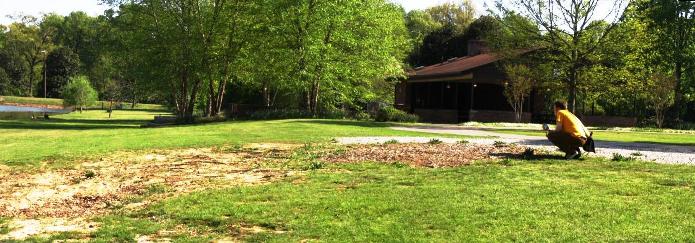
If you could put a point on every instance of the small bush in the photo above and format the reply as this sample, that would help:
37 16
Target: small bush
620 158
315 165
500 144
89 174
463 141
391 114
435 141
392 141
637 154
529 153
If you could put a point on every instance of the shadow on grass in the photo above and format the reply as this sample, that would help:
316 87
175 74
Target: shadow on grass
535 157
70 124
348 123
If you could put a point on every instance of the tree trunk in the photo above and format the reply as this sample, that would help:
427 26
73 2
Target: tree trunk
678 73
572 100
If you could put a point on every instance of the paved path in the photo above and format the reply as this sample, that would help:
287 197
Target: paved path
669 154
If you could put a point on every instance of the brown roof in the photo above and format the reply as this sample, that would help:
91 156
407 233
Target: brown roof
456 66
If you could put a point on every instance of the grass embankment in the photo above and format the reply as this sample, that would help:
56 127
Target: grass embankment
668 138
59 102
552 200
90 134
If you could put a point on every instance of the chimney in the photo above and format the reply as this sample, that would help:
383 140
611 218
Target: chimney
477 47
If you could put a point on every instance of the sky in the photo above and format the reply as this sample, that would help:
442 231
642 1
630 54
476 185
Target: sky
92 7
39 7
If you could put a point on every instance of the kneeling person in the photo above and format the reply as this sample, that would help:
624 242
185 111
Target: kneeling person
570 134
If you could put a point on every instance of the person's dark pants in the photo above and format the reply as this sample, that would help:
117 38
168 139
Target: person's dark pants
566 142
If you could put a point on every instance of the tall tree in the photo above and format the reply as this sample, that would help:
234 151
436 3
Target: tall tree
519 85
672 24
32 43
335 46
458 15
570 29
62 64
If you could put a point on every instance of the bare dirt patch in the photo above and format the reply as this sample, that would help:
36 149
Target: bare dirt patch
62 200
424 155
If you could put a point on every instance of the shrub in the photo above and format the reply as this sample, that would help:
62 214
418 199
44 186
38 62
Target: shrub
391 114
528 153
620 158
500 144
79 93
435 141
392 141
294 114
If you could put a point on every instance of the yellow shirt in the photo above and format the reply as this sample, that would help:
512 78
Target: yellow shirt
571 124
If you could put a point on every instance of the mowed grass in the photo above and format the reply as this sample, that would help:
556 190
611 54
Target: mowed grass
65 138
548 200
620 136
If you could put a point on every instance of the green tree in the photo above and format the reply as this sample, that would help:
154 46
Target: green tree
79 93
672 24
333 47
31 43
458 14
660 95
518 87
571 30
61 65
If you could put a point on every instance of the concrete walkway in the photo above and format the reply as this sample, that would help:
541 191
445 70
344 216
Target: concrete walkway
668 154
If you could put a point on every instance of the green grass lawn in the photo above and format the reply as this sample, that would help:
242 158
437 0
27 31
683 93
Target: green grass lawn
510 200
549 200
90 134
620 136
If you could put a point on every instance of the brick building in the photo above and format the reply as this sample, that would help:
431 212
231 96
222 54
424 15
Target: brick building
464 89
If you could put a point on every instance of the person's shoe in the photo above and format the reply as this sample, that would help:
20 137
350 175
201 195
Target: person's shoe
574 155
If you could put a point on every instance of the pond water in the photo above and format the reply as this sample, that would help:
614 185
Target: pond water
7 108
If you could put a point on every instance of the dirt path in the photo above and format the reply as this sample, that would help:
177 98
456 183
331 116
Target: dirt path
49 202
668 154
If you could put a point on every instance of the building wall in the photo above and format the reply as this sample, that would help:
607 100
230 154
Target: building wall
498 116
437 115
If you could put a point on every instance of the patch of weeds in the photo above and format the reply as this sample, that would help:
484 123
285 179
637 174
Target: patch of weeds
672 182
637 154
236 148
463 141
156 189
333 140
89 174
315 165
506 162
500 144
528 154
435 141
399 165
4 227
620 158
392 141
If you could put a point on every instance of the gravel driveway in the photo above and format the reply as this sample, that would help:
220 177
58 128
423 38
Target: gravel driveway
667 154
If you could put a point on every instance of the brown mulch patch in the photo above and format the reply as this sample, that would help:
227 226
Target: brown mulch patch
97 186
424 155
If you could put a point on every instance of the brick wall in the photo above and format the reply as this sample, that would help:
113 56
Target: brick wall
609 121
497 116
437 116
